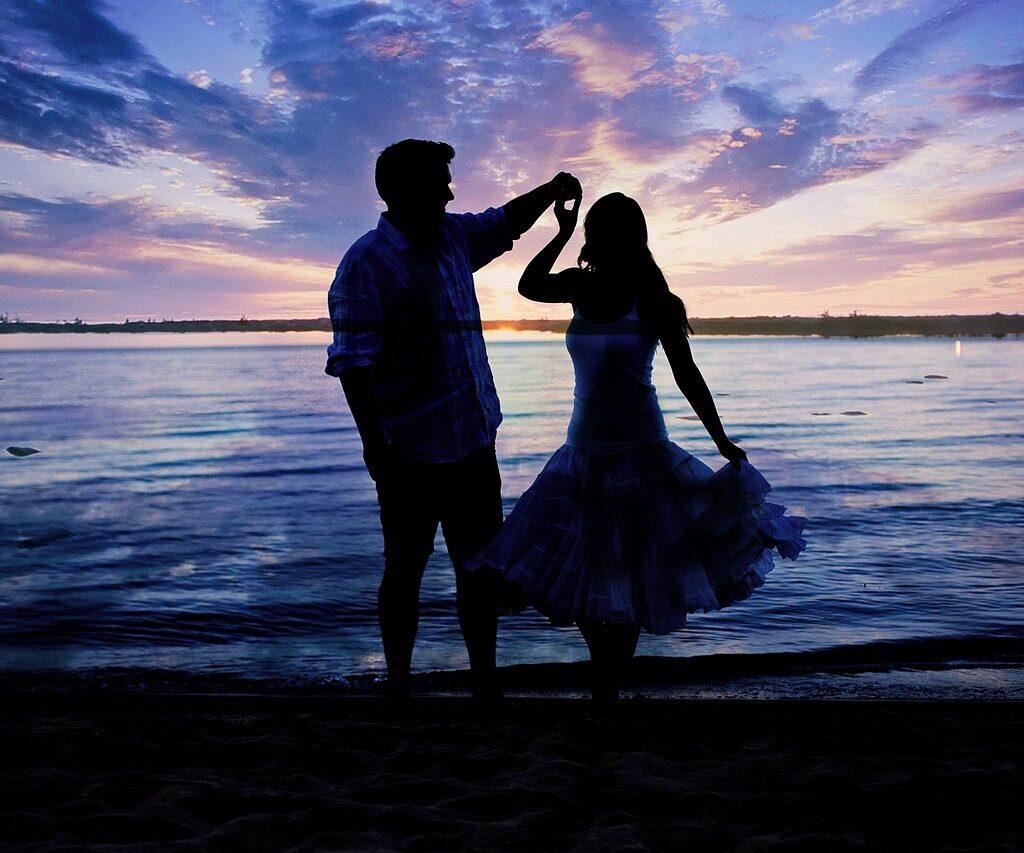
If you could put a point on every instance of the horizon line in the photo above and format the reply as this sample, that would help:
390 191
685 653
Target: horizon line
6 320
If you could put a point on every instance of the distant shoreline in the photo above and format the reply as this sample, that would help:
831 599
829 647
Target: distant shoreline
853 326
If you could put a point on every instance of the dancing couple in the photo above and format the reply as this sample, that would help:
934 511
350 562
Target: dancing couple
623 530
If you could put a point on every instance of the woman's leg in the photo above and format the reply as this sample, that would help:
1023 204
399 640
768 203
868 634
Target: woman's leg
611 645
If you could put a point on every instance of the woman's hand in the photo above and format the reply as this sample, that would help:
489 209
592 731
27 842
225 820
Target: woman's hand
567 216
566 187
732 452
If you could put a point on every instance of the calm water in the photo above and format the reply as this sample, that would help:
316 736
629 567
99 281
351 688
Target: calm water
204 508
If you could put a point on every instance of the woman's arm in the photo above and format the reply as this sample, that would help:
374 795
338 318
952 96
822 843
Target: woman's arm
537 282
690 381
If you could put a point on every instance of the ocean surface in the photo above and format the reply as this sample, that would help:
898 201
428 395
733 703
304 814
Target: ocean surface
199 506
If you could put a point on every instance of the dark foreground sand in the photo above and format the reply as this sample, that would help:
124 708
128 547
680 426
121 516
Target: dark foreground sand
317 773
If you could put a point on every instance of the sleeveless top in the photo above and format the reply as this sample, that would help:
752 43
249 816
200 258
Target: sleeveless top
615 406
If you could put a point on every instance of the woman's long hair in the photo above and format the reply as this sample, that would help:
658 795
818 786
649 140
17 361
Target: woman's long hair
615 234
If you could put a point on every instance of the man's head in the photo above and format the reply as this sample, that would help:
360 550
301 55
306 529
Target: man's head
413 179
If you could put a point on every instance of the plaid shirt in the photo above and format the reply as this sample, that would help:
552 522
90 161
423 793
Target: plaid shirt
410 314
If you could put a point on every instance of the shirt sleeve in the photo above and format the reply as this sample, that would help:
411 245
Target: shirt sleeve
486 234
354 303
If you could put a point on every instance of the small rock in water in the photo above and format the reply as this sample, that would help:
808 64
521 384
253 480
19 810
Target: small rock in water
688 418
821 414
915 382
22 451
935 376
43 539
855 412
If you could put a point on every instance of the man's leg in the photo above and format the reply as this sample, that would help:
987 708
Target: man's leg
471 517
409 522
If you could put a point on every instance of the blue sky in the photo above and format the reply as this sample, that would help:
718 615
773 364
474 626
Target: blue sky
213 158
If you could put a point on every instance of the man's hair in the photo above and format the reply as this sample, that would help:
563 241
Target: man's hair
402 165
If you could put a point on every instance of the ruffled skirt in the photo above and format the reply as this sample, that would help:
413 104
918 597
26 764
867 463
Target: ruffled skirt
642 536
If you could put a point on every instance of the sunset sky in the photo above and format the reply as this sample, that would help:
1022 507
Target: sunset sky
214 158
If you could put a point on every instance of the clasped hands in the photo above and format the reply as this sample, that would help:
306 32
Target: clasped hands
564 187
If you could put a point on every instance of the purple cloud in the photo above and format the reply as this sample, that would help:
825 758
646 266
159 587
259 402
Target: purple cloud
782 150
77 29
66 225
994 205
911 44
988 88
65 222
850 261
53 114
1008 281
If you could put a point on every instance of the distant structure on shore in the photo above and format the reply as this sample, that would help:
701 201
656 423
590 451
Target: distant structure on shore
826 326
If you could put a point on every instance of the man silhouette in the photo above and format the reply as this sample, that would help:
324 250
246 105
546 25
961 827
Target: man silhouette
410 354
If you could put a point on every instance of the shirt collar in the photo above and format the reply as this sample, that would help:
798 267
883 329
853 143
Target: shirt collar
395 237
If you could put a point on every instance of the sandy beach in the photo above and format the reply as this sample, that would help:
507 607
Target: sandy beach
145 771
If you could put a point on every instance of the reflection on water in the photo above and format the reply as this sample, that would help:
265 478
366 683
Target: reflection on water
74 341
205 508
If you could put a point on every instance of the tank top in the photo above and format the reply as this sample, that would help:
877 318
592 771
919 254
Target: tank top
615 405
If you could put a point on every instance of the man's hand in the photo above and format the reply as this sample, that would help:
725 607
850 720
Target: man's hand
377 458
357 384
565 186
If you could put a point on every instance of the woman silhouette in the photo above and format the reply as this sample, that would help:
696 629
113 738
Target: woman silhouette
624 530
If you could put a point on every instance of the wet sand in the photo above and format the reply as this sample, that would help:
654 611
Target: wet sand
145 771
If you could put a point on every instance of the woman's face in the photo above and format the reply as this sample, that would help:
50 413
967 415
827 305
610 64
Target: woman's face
603 247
